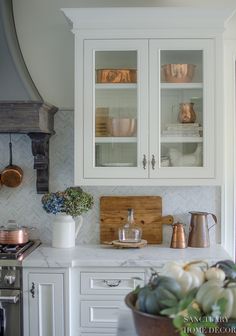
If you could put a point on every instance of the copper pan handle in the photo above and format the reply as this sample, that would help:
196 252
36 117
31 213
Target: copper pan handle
10 152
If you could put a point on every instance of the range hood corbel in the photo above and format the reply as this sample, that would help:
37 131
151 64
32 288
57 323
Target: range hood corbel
40 150
36 119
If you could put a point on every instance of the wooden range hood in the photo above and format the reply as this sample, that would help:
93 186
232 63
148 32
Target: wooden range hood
22 109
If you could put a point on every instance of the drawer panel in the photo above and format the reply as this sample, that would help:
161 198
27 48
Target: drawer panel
110 283
100 314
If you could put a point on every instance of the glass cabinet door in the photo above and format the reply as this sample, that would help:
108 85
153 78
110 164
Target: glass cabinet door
181 109
115 131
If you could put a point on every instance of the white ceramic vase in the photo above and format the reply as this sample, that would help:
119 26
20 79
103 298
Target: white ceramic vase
65 230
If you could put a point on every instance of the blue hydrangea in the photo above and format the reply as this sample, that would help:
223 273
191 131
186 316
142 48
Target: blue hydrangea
53 202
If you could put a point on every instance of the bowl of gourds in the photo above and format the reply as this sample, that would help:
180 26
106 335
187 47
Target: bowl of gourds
186 300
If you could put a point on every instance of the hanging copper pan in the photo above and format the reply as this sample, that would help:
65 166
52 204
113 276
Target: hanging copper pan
12 175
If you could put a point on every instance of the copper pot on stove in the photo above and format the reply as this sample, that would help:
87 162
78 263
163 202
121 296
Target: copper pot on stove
14 234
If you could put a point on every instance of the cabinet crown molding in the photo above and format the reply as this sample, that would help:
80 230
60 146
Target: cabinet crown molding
149 17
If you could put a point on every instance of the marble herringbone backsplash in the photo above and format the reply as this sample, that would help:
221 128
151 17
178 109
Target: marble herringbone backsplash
24 205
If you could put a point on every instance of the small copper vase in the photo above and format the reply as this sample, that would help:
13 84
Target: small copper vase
178 239
187 113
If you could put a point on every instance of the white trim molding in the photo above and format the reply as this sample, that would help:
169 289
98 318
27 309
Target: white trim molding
229 187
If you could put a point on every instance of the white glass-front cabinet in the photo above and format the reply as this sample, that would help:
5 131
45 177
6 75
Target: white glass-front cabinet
116 109
147 110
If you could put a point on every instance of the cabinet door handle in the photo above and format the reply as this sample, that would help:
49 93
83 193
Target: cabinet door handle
153 162
32 290
144 161
112 283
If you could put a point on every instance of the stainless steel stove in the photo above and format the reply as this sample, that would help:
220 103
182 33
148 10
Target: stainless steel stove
11 305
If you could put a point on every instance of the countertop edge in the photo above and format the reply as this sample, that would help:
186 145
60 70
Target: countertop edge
97 255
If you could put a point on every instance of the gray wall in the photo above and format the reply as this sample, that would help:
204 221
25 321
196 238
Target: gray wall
11 86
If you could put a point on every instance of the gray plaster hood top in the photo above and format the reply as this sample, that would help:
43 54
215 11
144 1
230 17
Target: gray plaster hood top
22 109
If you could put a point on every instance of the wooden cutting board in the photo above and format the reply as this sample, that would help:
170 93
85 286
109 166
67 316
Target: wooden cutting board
147 215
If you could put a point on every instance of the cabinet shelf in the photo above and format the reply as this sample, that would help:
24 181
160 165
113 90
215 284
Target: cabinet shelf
115 140
118 86
175 139
168 86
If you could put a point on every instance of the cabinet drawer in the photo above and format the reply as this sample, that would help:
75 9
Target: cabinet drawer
110 283
100 314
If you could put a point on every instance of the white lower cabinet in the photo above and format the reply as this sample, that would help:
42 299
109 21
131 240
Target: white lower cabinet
77 301
102 294
45 302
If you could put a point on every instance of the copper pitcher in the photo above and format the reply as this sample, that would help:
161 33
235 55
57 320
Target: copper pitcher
199 230
187 113
178 239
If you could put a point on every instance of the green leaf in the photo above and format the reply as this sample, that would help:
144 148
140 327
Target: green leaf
221 303
169 302
169 311
204 324
178 321
183 333
184 303
192 293
136 290
193 312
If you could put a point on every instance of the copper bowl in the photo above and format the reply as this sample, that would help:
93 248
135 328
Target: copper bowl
121 127
153 325
178 73
147 324
116 76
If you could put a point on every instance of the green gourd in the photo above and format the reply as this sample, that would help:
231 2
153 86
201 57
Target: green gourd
151 298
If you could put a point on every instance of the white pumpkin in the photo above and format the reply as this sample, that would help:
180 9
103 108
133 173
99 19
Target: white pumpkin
211 291
188 275
215 273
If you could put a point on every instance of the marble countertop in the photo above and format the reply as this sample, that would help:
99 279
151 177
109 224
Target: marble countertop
105 255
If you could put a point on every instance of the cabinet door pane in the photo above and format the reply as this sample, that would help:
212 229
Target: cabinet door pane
116 108
182 108
115 130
